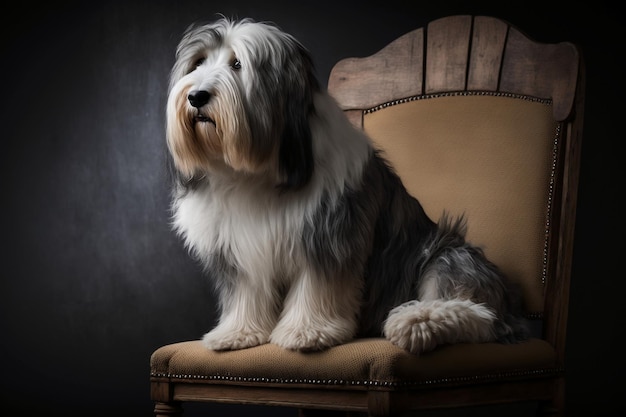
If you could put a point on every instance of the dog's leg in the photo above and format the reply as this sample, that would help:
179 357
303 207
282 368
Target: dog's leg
419 326
248 315
319 312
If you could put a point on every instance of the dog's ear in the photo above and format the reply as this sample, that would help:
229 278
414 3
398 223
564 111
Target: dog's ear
295 158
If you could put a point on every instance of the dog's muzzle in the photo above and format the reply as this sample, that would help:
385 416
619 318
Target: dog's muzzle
197 99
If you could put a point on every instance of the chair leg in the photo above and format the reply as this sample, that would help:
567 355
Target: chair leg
171 409
556 406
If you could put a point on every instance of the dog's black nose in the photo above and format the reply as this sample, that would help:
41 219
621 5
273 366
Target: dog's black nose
198 98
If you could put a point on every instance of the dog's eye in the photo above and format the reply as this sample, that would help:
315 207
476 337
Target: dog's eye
236 64
199 62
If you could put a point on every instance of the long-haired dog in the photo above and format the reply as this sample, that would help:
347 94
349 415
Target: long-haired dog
309 234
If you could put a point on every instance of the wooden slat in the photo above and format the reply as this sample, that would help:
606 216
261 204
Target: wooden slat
488 39
447 52
540 70
396 70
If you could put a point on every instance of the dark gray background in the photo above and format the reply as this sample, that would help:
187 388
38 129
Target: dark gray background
93 279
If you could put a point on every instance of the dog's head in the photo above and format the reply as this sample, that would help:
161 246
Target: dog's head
240 96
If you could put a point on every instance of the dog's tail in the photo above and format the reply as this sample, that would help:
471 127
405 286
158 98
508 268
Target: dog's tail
420 326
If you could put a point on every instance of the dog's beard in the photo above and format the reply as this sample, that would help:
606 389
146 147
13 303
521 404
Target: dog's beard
213 136
192 143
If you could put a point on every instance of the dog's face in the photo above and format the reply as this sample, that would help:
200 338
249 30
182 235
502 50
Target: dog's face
241 94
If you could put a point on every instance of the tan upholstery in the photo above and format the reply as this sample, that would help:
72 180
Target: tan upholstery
362 363
488 157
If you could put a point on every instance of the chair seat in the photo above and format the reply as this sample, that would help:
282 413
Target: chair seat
363 363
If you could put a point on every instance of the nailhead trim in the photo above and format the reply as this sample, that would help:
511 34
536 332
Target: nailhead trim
456 94
365 383
549 202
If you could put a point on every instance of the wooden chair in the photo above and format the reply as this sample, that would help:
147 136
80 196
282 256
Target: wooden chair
476 118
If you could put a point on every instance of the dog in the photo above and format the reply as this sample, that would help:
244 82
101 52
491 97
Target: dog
308 233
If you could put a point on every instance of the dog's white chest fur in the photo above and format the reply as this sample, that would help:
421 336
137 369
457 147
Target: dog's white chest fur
245 225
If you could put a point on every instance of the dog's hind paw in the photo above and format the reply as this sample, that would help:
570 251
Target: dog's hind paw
218 339
420 326
408 328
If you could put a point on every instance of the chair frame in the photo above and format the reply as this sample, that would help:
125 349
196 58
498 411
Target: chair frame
454 54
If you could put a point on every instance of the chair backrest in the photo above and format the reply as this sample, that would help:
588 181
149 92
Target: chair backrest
480 120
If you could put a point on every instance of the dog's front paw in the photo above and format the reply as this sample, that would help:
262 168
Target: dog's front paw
311 338
220 339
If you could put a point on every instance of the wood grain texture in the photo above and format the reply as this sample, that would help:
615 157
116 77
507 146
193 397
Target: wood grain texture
540 70
459 53
448 42
488 39
395 71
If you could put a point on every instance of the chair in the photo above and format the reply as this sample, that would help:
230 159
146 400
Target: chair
476 118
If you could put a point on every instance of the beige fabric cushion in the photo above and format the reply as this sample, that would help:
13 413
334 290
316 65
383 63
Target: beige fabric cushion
489 157
361 363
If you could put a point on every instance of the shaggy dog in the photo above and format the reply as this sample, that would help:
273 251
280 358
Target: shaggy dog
309 234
